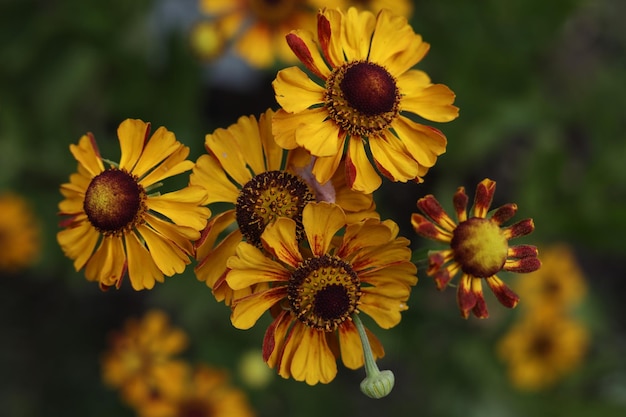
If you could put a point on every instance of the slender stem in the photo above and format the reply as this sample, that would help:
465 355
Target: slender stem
370 362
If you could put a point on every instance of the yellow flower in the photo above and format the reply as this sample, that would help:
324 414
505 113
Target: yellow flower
314 291
206 393
400 7
559 282
543 348
144 233
367 94
20 235
478 249
140 359
258 27
246 169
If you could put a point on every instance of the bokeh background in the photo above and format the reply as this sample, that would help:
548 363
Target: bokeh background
541 89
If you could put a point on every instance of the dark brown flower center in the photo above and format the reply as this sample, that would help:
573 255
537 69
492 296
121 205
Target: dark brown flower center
323 292
362 98
114 202
194 408
268 196
480 247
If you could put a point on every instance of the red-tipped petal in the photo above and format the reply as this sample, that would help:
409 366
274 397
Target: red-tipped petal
466 298
522 251
504 213
300 49
427 229
521 228
431 207
503 293
460 200
323 36
483 197
524 265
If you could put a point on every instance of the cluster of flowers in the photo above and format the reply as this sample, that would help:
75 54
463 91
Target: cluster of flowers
143 365
547 341
302 238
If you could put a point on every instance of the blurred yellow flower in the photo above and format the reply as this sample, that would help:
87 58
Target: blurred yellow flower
20 234
478 247
205 393
314 291
366 92
246 169
141 358
140 231
400 7
253 370
258 27
543 347
559 283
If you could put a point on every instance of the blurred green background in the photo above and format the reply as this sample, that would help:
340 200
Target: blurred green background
541 89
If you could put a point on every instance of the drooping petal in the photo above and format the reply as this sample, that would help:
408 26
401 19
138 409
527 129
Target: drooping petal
274 339
384 310
279 239
431 207
312 361
392 159
321 222
423 143
466 298
108 263
182 207
142 270
503 293
360 175
78 243
246 311
251 266
325 167
168 256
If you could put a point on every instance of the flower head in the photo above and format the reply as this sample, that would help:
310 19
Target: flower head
258 27
140 359
314 290
478 247
542 348
366 92
259 182
116 209
20 235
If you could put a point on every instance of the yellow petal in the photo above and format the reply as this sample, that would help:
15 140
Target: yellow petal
325 167
432 103
274 154
246 311
216 226
295 91
87 154
107 264
412 83
321 222
224 146
304 46
330 35
212 266
358 28
279 238
392 158
361 235
312 361
384 310
182 207
168 257
78 243
392 280
132 134
178 235
360 175
250 266
376 257
161 145
350 345
246 134
319 136
142 270
173 165
209 174
424 143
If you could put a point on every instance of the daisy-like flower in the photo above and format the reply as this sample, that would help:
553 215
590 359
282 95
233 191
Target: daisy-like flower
141 358
559 283
205 393
543 348
116 209
258 27
20 234
259 182
478 247
365 97
316 293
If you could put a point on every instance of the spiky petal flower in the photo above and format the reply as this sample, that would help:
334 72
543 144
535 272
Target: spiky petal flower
478 247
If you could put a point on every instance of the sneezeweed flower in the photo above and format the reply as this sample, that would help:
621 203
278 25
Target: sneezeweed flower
207 392
559 283
478 247
259 182
20 234
365 96
317 292
543 348
257 28
141 358
117 209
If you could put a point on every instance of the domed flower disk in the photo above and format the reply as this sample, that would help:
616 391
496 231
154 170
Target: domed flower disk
365 99
257 182
314 288
478 247
114 221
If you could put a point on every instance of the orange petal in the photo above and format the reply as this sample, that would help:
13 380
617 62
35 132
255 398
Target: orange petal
321 222
250 266
142 270
132 134
295 91
360 175
88 155
246 311
279 238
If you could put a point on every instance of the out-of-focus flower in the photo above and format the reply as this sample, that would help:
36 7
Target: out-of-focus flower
253 370
141 358
205 393
559 283
314 292
478 247
246 169
258 27
367 91
543 347
207 40
399 7
20 234
117 209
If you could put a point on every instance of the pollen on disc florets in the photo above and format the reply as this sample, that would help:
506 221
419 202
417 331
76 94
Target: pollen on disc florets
114 202
323 292
268 196
480 247
362 98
